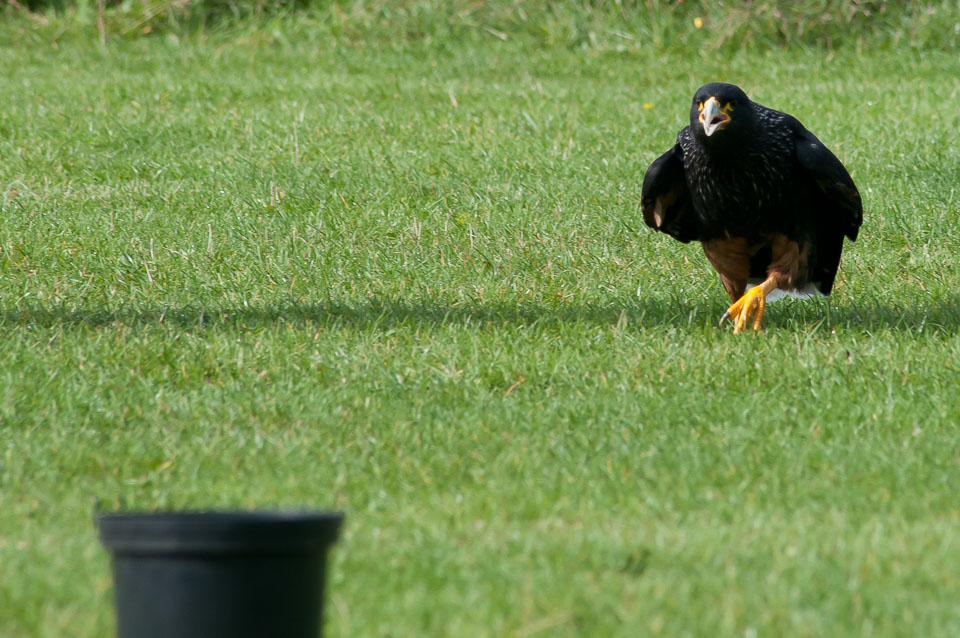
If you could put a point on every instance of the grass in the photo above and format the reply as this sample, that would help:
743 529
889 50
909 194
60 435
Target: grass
269 268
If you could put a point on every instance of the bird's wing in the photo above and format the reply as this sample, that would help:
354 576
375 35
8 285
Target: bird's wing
833 179
664 199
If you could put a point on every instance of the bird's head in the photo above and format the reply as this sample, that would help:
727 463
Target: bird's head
720 112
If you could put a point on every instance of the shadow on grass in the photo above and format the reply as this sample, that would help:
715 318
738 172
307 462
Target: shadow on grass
941 316
369 313
913 316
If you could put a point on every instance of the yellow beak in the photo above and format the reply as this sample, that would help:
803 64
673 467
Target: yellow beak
712 117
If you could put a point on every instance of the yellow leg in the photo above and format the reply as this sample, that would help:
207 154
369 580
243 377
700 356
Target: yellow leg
751 303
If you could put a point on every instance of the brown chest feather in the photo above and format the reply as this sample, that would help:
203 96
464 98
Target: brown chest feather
782 259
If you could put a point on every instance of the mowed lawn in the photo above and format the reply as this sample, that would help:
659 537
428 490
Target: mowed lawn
410 280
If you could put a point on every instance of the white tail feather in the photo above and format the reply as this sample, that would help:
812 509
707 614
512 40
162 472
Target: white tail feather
777 294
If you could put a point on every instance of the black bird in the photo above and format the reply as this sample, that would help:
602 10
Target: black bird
767 200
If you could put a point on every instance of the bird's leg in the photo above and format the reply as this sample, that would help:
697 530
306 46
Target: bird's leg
751 303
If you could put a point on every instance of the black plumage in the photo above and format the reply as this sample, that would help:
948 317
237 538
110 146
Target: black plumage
768 201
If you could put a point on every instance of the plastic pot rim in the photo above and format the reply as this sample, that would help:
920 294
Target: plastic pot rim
218 531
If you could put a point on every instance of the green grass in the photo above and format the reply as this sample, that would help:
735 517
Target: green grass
268 267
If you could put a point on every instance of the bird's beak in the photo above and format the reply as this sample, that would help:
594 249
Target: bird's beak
713 117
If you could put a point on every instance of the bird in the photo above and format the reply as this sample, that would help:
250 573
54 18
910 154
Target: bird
767 200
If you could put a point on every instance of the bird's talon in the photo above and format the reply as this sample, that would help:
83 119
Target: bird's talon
751 303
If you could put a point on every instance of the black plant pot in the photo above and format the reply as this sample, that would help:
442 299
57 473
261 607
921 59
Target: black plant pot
219 574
